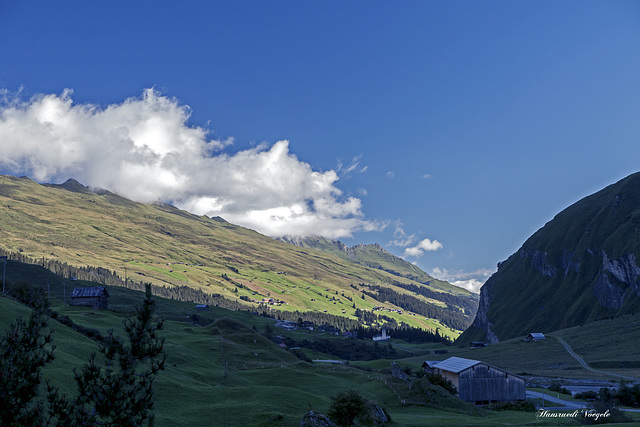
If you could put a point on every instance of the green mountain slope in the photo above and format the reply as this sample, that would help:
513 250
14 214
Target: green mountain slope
100 236
373 256
580 267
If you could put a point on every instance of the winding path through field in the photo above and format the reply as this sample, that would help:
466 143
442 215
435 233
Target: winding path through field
584 364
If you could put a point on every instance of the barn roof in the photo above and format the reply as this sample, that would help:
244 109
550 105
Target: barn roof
89 292
456 364
537 335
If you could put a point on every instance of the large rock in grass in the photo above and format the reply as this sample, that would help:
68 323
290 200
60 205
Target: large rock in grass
316 419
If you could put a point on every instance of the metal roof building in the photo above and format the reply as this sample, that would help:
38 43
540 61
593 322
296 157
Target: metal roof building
90 297
480 383
535 336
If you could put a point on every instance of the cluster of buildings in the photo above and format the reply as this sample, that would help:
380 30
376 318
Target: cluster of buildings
391 310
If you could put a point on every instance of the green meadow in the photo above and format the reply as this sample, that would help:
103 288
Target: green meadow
222 370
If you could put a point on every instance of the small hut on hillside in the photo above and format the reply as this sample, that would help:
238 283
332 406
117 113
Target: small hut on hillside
535 336
90 297
480 383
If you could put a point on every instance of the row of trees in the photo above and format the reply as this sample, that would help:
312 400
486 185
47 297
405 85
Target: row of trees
113 389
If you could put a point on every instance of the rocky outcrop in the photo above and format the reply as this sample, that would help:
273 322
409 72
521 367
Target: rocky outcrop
614 279
316 419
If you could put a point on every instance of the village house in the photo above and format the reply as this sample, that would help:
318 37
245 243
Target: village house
478 382
90 297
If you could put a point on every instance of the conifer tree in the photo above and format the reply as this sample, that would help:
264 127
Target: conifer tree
24 350
119 391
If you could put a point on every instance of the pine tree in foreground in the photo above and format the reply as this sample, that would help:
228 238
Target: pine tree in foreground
118 391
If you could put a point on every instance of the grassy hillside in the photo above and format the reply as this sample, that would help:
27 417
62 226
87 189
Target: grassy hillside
69 226
373 256
228 373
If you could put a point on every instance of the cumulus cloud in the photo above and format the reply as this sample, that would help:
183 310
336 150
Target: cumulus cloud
144 149
420 248
470 280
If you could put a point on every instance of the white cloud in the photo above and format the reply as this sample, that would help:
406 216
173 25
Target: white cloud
355 164
144 149
400 237
470 280
420 248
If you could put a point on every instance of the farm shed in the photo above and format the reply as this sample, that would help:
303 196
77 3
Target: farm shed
535 336
90 297
202 307
480 383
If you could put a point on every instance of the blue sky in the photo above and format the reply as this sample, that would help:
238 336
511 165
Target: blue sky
462 125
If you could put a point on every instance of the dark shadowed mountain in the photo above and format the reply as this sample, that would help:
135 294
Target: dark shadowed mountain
580 267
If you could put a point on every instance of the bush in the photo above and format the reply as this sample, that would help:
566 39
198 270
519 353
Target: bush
346 406
439 380
557 387
521 405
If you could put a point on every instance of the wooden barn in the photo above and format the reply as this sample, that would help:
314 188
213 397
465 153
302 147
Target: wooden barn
480 383
90 297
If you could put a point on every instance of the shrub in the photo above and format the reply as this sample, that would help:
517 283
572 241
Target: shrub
521 405
557 387
346 406
439 380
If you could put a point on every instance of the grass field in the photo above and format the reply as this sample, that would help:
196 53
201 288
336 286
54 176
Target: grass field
223 370
226 373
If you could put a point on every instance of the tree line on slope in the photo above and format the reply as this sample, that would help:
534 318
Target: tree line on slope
452 317
188 294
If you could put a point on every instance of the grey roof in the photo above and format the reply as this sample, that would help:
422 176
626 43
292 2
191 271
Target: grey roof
89 292
537 336
431 363
456 364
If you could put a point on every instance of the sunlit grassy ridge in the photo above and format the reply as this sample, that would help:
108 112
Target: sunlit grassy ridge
165 246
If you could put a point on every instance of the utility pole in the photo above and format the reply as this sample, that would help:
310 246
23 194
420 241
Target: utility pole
4 272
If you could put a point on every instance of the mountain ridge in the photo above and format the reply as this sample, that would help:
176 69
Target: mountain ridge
578 268
163 245
372 256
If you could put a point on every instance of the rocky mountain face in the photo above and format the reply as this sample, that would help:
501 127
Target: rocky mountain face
580 267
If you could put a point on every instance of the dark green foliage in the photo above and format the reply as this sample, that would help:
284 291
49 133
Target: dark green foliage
628 396
24 350
587 395
557 387
521 405
346 406
119 391
453 317
605 403
439 380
